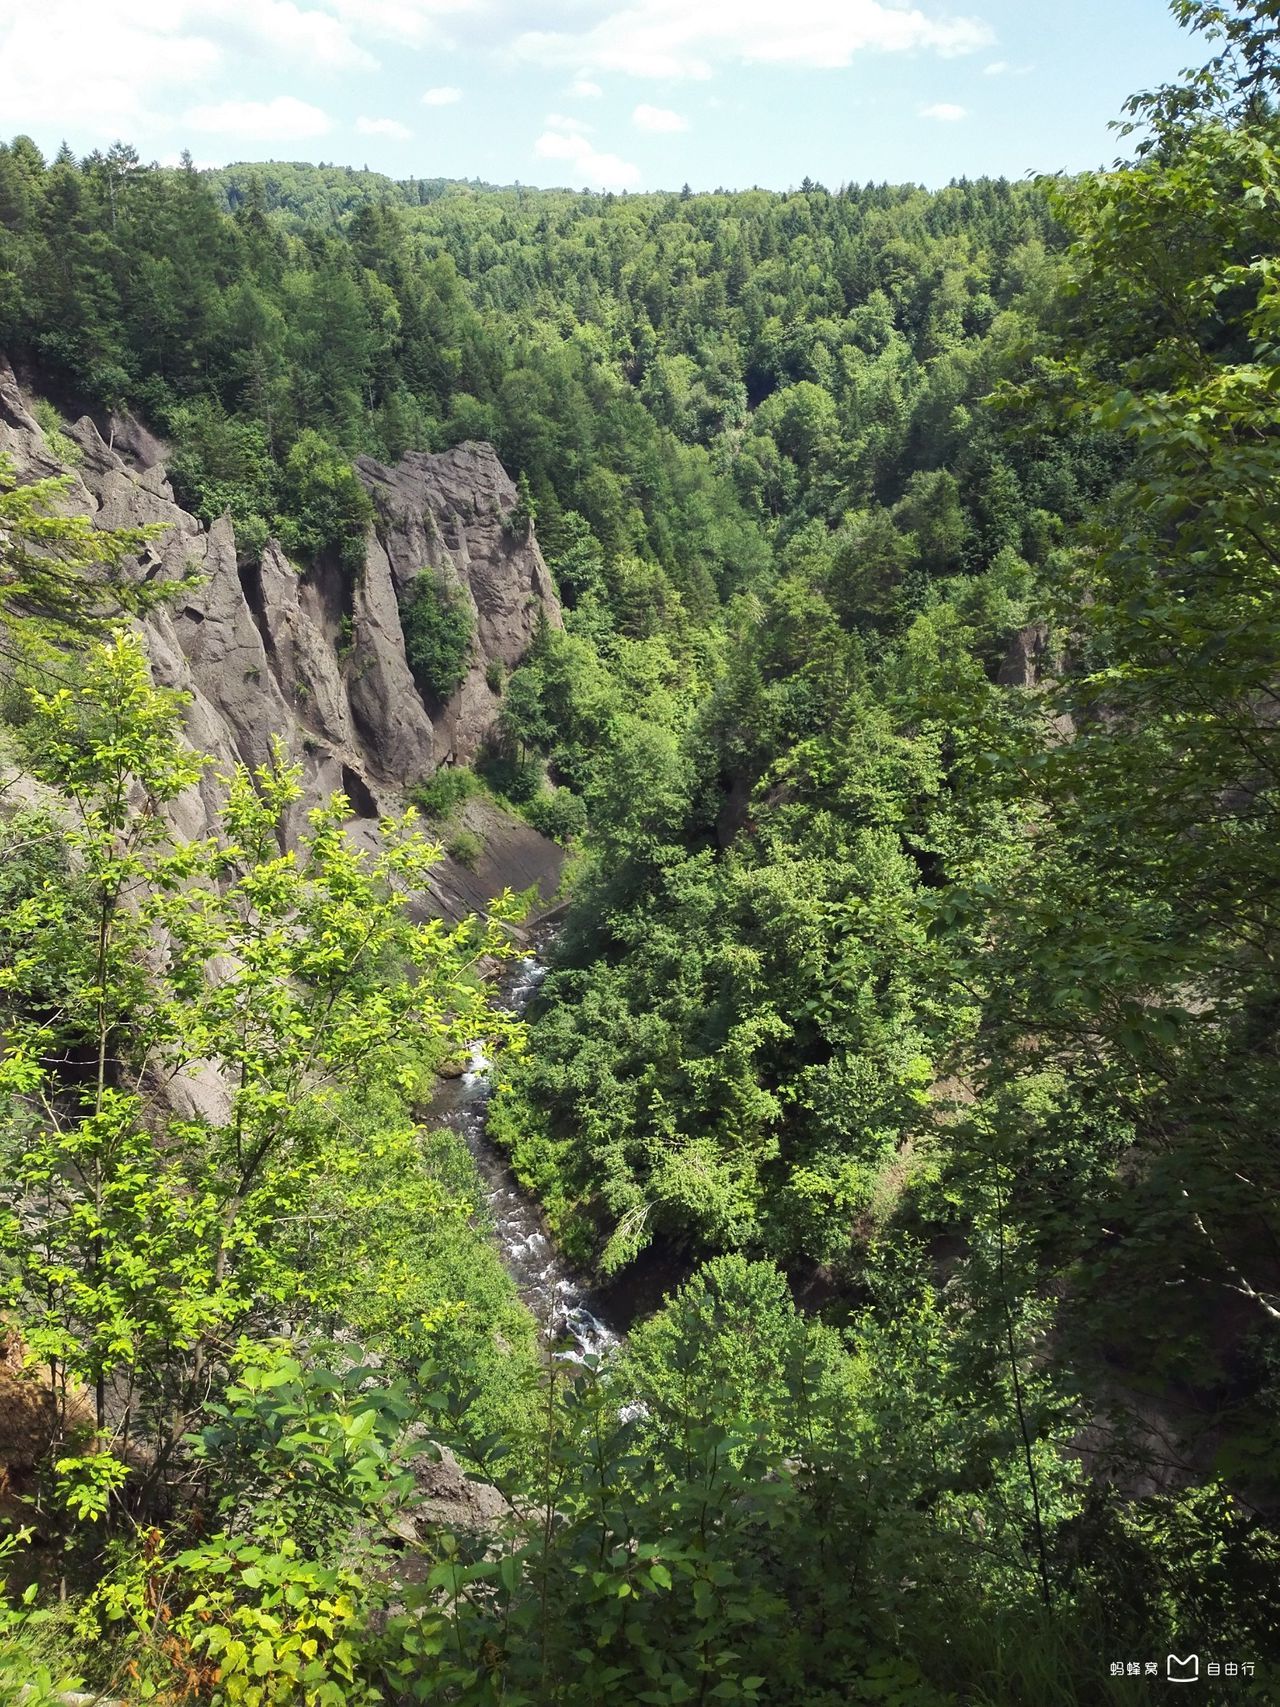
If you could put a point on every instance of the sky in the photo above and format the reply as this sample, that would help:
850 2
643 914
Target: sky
610 94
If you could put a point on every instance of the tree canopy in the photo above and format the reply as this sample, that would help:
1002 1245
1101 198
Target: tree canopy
912 1026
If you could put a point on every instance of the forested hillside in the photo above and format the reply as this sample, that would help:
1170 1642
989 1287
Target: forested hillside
912 1026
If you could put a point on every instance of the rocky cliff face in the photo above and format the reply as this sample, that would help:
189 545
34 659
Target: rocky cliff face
318 659
455 513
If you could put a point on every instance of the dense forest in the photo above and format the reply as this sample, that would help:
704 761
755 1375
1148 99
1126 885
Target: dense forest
910 1042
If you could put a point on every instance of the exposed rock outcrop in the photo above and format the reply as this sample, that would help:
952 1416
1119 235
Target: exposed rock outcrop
317 659
1026 661
1031 663
447 1498
456 513
511 856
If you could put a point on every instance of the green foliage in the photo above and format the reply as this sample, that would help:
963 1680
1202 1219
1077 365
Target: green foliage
87 1486
60 444
224 465
525 511
289 1450
439 629
466 846
510 775
673 378
560 814
260 1626
294 1636
1140 921
326 507
60 576
398 1254
747 1063
732 1343
160 1241
29 1671
920 754
445 792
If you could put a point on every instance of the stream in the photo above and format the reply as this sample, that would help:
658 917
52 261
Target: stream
561 1301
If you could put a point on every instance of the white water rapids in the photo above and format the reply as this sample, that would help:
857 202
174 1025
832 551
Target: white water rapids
559 1298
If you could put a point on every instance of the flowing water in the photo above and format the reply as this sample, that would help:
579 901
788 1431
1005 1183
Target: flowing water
560 1299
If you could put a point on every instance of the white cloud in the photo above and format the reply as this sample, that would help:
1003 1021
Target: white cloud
96 66
680 38
286 119
946 112
997 68
561 121
384 127
585 89
280 24
108 68
660 119
607 171
445 96
412 22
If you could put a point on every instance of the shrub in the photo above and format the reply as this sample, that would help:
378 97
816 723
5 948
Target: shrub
441 795
520 519
466 847
33 1640
220 464
469 418
58 440
732 1342
438 628
325 506
561 814
517 779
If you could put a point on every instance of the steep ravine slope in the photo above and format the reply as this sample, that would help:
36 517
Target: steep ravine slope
317 659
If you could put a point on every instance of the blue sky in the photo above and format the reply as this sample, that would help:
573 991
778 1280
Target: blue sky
620 94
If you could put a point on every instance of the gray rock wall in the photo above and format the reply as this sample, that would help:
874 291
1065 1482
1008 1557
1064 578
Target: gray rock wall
318 659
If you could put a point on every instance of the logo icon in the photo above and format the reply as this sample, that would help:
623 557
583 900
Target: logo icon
1183 1671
